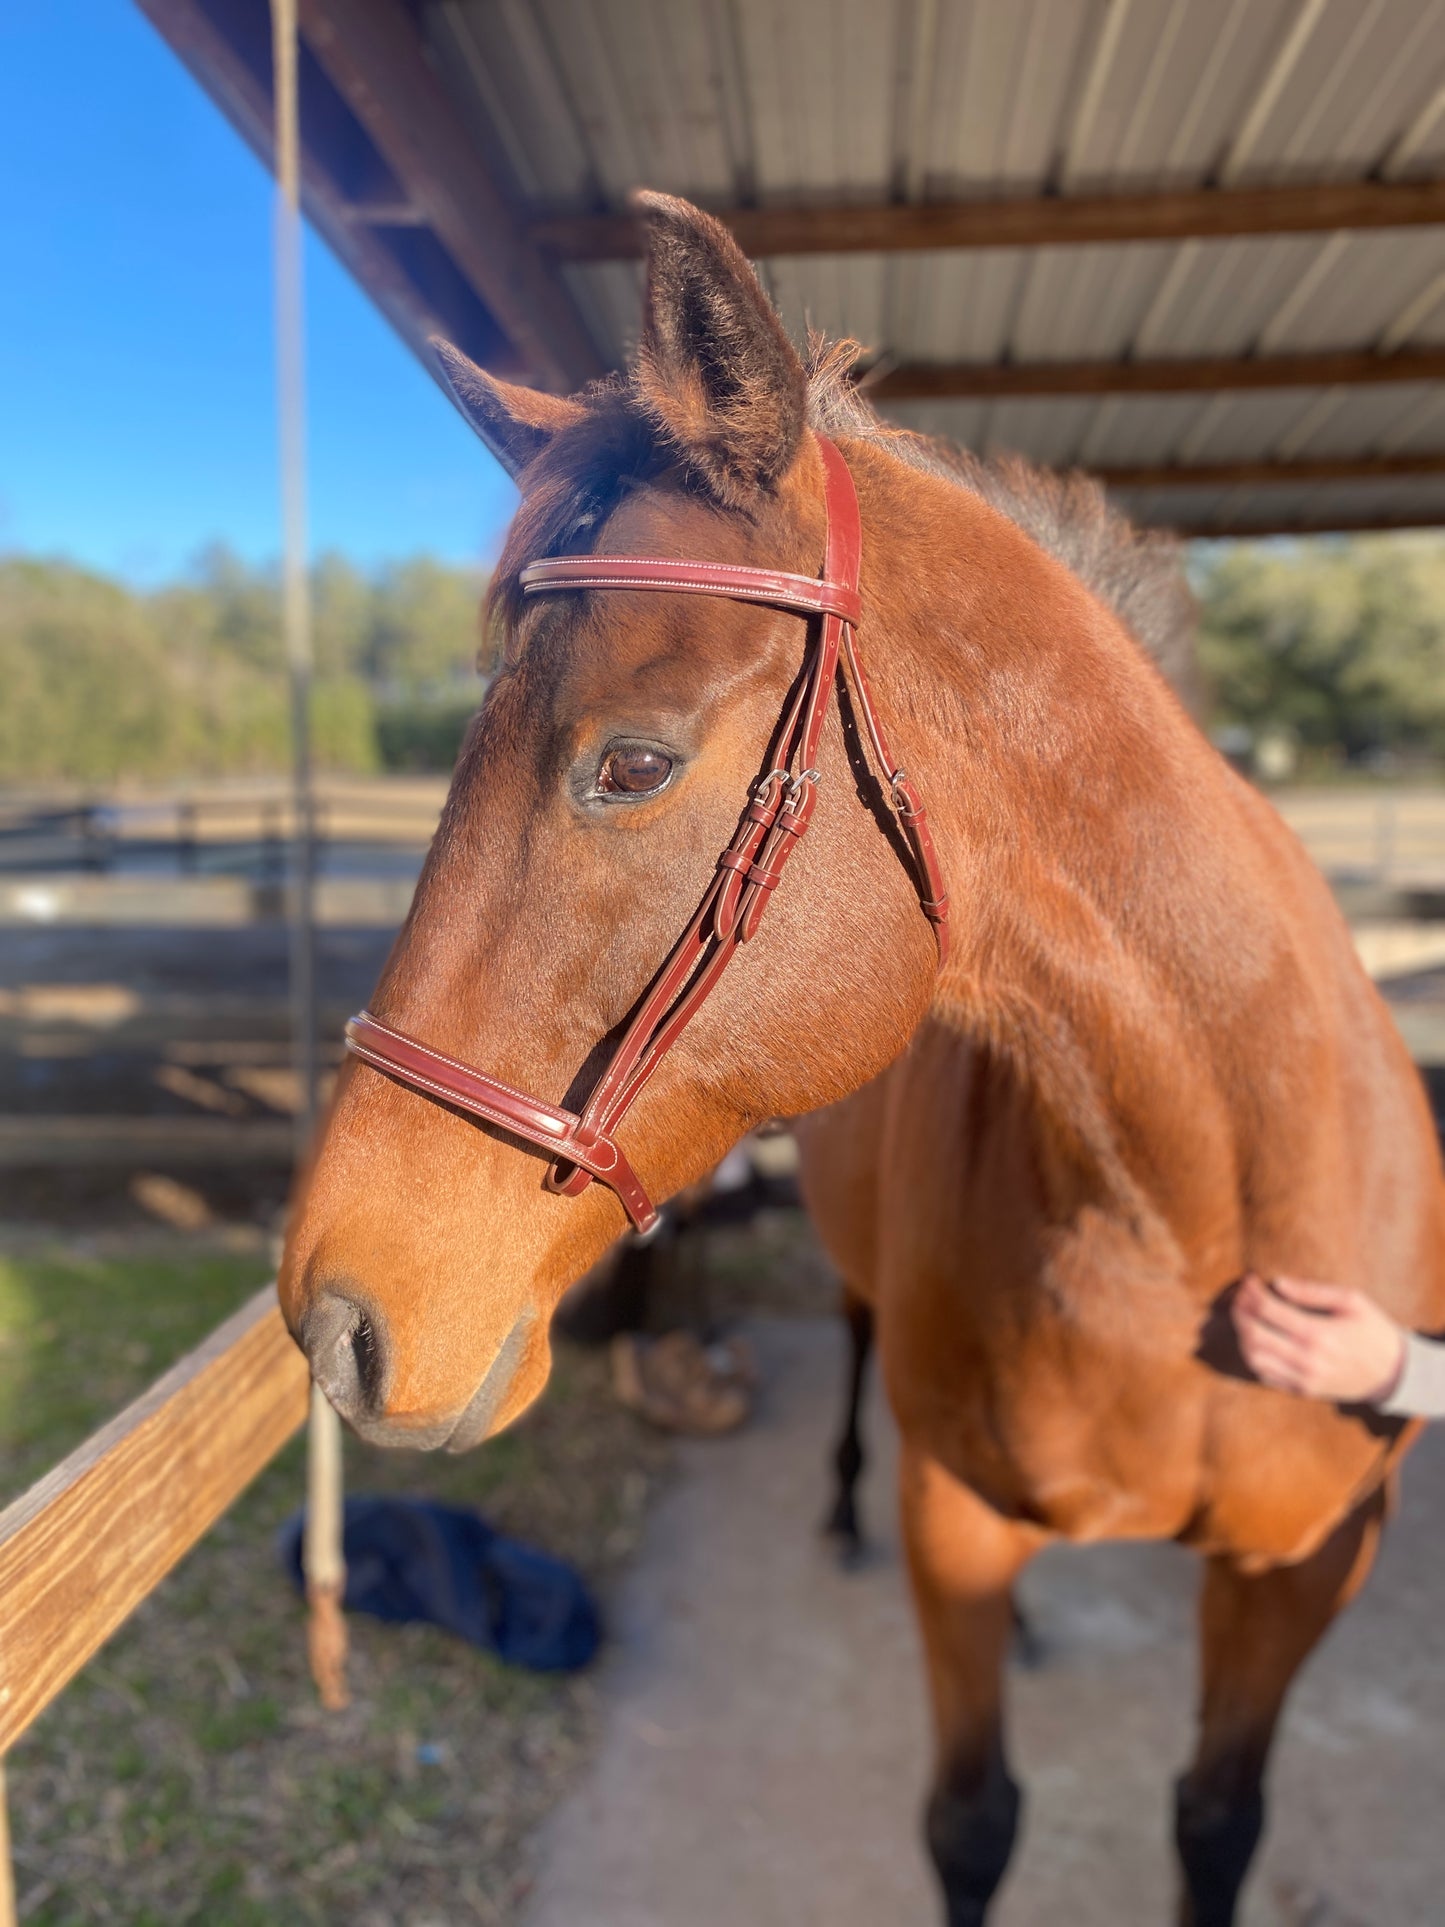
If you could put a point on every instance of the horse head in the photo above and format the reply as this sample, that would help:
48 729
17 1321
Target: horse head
619 739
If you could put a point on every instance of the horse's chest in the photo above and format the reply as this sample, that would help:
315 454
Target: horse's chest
1066 1394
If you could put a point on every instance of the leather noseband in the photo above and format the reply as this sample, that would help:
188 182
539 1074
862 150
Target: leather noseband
582 1145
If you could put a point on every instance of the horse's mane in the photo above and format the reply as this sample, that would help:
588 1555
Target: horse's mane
1138 573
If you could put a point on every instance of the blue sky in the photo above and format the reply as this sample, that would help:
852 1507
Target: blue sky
136 408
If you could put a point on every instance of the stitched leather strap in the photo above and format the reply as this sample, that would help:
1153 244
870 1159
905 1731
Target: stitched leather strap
803 593
547 1125
908 804
583 1146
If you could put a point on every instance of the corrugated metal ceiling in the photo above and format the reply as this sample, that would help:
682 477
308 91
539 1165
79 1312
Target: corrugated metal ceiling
753 102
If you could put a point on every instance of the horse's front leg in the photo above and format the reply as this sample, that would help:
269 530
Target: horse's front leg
842 1522
1256 1630
963 1560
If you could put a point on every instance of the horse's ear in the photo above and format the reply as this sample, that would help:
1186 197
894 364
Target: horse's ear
716 370
515 423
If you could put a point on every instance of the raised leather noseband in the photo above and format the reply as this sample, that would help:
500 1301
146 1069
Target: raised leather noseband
582 1144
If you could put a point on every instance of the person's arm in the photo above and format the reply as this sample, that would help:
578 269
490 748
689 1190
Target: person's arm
1420 1389
1325 1341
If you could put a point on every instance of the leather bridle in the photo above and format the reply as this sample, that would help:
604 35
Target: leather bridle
582 1145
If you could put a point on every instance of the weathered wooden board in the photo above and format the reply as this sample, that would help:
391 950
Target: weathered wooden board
88 1542
35 1141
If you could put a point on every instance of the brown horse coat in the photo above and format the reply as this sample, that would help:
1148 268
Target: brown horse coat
1154 1062
1151 1062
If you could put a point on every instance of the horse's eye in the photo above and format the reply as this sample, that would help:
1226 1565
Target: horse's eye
634 771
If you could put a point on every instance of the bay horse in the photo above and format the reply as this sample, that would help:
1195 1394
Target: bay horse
1150 1061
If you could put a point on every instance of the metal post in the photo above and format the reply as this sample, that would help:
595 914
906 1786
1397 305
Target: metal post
295 599
322 1556
322 1553
8 1915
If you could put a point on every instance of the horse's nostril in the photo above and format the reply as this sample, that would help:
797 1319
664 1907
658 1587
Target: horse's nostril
344 1344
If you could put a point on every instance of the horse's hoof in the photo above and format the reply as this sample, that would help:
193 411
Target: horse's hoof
842 1521
841 1530
1029 1650
849 1551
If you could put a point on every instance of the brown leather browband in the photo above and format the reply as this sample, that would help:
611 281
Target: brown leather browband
582 1144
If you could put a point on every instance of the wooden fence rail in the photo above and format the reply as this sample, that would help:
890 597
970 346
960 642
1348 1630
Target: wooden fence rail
89 1541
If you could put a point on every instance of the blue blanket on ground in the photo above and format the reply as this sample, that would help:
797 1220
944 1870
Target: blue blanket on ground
410 1559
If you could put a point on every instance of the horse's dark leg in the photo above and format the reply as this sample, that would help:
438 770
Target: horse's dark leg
1256 1630
963 1560
842 1524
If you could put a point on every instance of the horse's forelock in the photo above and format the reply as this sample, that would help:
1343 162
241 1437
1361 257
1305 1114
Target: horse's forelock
574 485
570 490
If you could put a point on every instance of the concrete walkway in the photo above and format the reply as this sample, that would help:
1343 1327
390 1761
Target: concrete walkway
765 1744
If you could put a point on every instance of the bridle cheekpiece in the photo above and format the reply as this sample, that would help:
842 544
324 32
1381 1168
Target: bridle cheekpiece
582 1145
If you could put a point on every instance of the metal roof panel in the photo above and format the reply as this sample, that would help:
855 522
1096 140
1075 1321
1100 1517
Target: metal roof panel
871 100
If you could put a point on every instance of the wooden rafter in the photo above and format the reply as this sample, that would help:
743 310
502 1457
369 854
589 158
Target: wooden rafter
242 93
1195 375
1270 474
1050 220
372 54
1208 530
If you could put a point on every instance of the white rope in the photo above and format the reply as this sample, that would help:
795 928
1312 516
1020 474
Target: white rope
321 1554
322 1557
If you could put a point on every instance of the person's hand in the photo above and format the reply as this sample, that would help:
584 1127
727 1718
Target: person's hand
1320 1341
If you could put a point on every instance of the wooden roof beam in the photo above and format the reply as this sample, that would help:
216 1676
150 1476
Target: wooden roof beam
1269 474
372 54
1050 220
233 83
1202 374
396 213
1207 531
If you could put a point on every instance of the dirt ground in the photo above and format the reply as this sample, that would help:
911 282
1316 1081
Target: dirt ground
765 1741
188 1775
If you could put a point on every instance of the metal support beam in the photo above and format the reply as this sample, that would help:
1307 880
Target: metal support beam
1052 220
1186 376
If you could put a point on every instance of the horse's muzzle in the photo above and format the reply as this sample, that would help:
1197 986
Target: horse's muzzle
345 1343
347 1346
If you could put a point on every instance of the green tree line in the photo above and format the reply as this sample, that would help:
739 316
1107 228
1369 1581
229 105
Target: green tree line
102 681
1339 643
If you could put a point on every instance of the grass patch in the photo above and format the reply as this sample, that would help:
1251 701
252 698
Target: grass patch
188 1775
82 1333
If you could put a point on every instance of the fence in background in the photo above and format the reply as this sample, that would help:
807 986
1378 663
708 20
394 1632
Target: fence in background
1381 834
1377 831
239 830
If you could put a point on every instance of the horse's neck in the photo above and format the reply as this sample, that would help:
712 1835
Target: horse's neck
1079 810
1109 882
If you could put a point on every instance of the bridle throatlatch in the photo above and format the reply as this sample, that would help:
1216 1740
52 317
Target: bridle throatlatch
583 1145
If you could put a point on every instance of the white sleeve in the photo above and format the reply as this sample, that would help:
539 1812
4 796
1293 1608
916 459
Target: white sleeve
1420 1390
